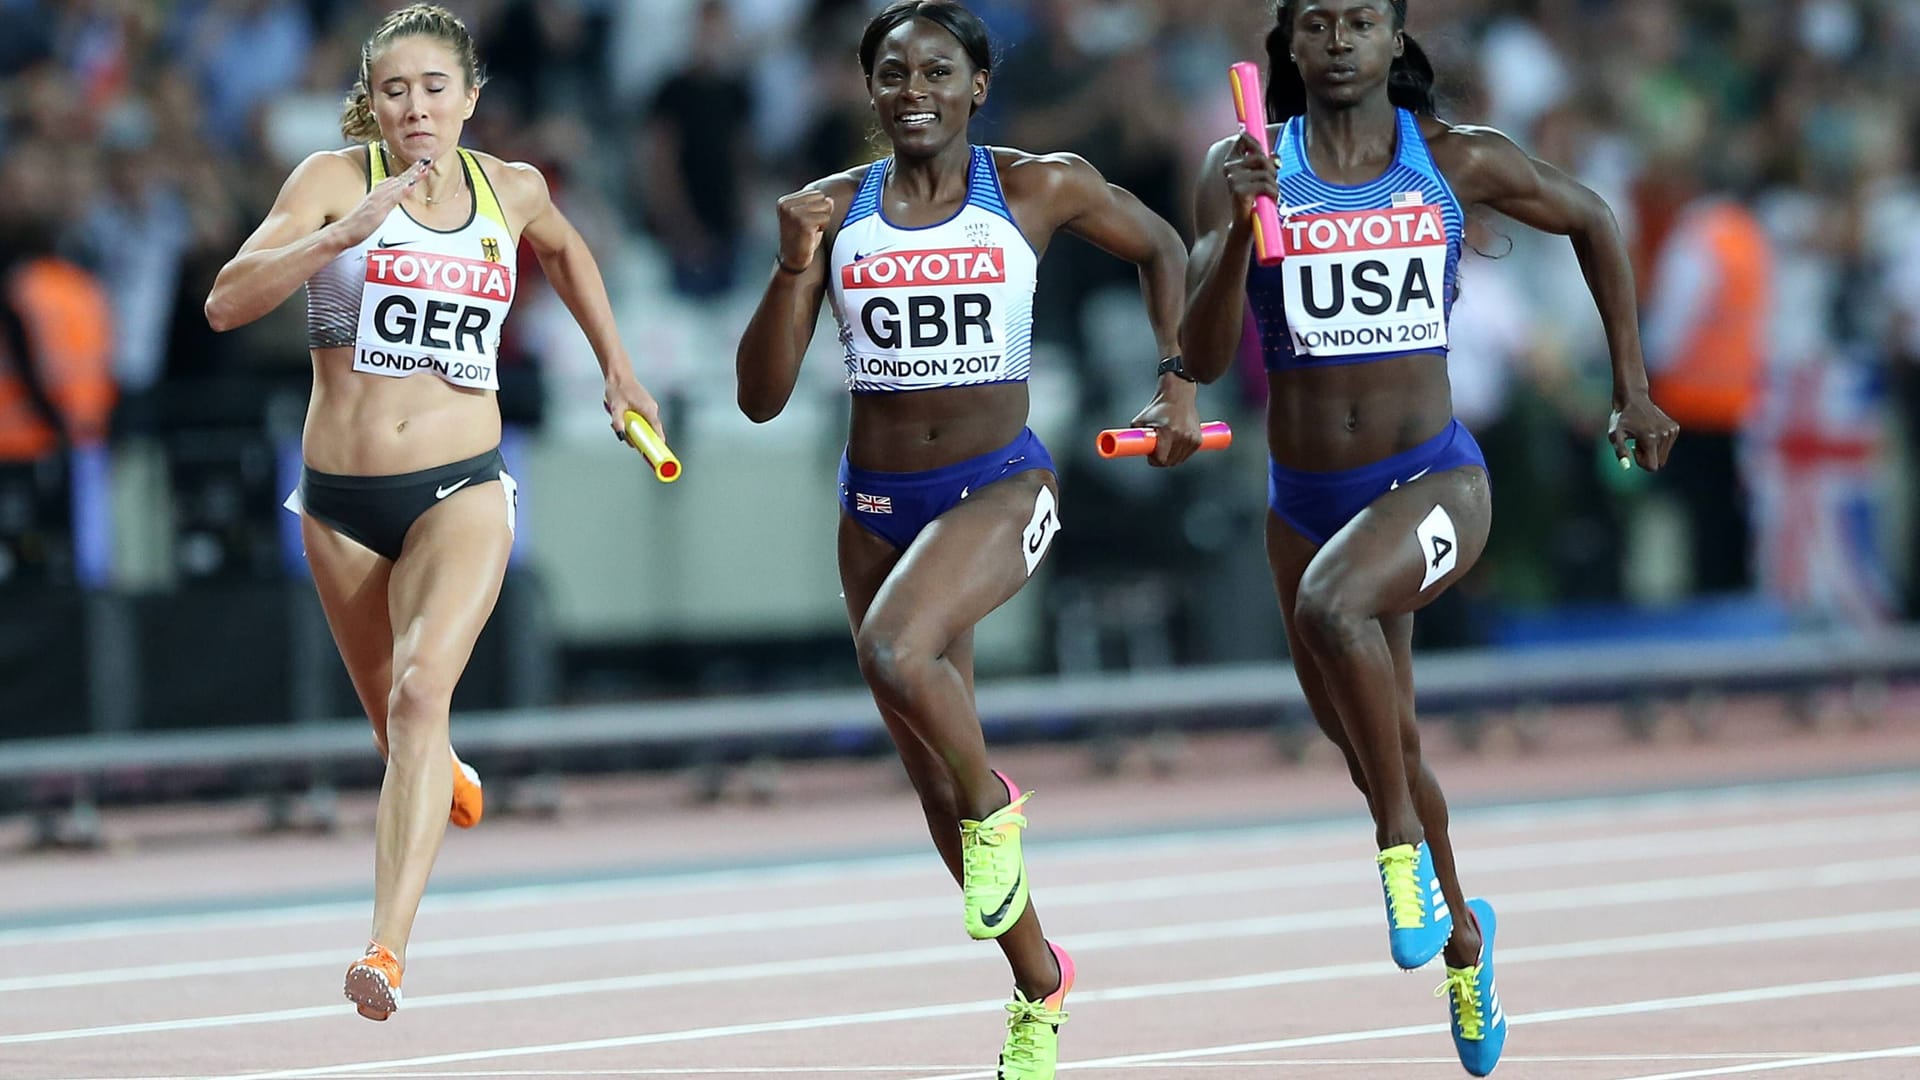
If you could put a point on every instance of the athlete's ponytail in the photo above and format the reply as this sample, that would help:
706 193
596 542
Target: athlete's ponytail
1409 84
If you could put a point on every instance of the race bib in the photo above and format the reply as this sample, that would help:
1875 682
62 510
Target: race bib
1038 536
434 313
923 319
1366 281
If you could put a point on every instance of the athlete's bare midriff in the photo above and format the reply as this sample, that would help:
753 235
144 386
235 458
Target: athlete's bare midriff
1343 416
927 429
368 425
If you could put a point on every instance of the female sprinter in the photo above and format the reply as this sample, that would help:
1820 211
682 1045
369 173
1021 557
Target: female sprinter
949 501
406 245
1379 498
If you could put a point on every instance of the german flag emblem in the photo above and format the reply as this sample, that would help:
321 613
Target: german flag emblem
490 249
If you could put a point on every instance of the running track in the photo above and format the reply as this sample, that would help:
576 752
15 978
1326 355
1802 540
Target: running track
1674 910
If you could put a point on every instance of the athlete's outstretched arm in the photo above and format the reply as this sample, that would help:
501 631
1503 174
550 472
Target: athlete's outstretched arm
575 275
767 361
1115 221
295 240
1235 173
1499 175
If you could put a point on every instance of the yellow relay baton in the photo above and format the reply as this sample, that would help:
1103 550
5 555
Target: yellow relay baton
652 447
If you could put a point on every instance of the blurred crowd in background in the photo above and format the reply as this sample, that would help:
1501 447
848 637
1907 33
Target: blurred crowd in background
1758 154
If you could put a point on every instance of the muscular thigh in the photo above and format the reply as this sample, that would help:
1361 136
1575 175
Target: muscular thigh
865 562
1407 547
448 576
1288 555
352 584
971 560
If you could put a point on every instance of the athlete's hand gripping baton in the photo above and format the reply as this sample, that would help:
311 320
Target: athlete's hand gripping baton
652 447
1250 105
1140 441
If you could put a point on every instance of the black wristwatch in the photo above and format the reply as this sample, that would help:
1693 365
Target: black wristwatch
1171 365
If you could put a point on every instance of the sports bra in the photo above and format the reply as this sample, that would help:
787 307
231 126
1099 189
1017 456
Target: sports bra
1370 270
942 305
412 299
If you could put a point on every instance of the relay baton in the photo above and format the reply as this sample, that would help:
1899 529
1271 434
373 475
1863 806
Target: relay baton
1140 441
1251 107
652 447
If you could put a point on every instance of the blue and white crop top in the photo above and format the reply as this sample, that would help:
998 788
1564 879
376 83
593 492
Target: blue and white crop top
1371 270
412 299
943 305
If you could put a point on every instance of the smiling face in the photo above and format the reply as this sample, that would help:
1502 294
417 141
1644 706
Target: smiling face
421 97
924 88
1345 49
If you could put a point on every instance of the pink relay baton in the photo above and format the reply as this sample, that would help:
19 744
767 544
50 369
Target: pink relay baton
1140 441
1250 105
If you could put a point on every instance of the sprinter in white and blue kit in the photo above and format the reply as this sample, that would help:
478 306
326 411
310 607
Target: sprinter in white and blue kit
1379 498
929 258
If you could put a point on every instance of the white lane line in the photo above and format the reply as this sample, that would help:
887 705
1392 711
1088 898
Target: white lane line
1176 886
1814 1062
760 1070
1641 809
1626 894
688 1070
1905 980
1605 947
1769 993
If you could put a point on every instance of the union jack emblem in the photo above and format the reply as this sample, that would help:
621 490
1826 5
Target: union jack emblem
872 504
1816 453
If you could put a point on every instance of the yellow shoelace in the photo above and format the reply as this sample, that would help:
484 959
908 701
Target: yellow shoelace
1465 985
1404 896
1027 1022
978 839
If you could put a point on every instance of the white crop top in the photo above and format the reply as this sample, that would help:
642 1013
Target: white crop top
943 305
409 298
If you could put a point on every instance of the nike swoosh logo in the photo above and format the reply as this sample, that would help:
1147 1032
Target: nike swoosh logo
1289 211
1395 486
965 491
384 243
993 918
443 492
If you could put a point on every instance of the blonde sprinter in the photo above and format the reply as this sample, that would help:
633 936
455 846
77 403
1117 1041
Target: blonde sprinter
405 243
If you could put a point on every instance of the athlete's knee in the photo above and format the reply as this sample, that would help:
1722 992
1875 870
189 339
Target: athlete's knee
422 689
1327 617
888 660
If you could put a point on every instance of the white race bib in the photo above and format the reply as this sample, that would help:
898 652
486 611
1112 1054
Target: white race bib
1366 281
437 313
922 319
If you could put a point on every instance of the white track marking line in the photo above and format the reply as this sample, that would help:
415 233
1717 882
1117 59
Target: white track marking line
760 1070
1769 993
1641 809
1901 981
1802 1063
1519 856
689 1070
1748 883
1171 887
1608 947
